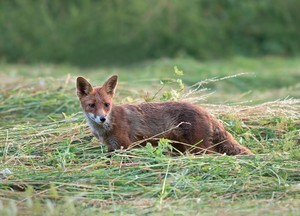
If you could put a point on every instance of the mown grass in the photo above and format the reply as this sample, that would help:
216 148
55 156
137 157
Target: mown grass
58 168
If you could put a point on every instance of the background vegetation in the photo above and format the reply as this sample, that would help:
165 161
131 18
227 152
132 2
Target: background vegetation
94 32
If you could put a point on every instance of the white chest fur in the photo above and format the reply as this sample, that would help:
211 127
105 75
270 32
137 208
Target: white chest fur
98 130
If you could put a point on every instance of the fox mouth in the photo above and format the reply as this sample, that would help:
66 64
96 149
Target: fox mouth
98 119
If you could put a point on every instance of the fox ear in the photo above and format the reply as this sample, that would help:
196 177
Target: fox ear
110 85
83 87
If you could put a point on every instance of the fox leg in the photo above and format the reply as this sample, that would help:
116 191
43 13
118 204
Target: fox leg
115 143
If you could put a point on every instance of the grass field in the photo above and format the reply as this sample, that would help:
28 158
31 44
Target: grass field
52 165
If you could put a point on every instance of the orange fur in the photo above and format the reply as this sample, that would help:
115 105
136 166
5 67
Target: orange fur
189 127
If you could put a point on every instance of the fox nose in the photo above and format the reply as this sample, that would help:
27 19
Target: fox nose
102 119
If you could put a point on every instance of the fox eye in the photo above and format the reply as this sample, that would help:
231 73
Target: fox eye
92 105
106 105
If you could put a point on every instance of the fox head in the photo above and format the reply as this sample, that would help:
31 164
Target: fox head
96 102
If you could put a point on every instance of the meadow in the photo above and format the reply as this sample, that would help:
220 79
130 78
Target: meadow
52 165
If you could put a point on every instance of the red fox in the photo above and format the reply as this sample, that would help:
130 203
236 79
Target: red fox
189 127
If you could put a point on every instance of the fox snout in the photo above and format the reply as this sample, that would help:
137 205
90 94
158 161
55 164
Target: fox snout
99 119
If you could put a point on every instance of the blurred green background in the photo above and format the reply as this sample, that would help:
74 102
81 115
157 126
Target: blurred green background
111 32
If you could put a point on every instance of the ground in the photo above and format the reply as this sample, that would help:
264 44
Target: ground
52 165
